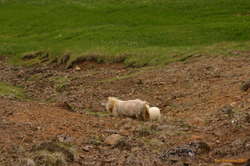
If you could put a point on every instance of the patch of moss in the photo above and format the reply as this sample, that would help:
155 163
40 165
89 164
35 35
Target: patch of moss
11 91
68 150
50 159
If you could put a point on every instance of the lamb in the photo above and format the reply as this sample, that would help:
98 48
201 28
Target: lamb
131 108
154 113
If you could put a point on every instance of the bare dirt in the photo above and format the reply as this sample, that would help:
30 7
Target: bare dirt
200 99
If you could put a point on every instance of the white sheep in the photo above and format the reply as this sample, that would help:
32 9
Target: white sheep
154 113
131 108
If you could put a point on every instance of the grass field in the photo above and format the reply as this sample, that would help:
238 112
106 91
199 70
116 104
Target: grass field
145 32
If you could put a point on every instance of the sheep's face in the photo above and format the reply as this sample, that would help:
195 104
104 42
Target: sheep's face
110 104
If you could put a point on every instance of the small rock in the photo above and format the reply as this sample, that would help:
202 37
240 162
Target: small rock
113 139
124 132
87 148
175 154
247 118
64 138
81 156
200 147
247 146
77 68
66 105
233 104
217 141
245 86
189 150
234 121
227 109
139 82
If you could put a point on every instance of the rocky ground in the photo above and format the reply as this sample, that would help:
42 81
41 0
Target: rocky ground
205 104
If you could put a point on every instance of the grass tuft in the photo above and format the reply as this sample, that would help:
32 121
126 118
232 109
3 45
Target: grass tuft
7 90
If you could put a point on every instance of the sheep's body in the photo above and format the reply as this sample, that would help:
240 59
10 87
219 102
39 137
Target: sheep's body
131 108
154 113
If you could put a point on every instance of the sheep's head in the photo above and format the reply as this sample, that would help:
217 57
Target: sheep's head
111 103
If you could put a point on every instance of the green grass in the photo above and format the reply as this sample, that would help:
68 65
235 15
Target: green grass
11 91
146 32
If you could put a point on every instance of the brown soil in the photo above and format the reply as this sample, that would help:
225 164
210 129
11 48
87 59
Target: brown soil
191 96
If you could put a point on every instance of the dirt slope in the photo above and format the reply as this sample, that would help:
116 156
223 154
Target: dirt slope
200 100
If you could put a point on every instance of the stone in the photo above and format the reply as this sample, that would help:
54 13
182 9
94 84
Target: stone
245 86
185 151
200 147
227 109
113 139
247 146
47 158
68 150
87 148
233 104
77 68
64 138
247 118
124 132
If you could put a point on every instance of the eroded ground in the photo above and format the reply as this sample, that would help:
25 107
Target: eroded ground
200 99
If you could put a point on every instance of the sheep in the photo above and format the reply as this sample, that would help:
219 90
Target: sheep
154 113
131 108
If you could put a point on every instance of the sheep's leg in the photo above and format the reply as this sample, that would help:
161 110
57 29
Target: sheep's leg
115 111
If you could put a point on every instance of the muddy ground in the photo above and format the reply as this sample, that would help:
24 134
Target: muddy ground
201 101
